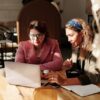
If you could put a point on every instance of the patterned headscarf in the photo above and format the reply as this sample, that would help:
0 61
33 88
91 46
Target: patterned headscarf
74 24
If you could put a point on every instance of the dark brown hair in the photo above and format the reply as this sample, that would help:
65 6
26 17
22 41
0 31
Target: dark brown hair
40 26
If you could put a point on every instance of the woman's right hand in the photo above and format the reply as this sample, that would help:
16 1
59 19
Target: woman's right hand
67 64
55 77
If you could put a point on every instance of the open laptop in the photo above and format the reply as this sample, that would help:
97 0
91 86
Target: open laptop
23 74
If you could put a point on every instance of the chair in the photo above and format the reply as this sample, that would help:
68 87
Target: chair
39 10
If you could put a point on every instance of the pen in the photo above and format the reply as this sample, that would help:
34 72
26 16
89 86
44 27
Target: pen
52 84
45 84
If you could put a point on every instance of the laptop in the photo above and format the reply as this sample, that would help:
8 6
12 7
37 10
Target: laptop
23 74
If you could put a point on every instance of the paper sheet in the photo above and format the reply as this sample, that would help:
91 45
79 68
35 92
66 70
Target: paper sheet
83 90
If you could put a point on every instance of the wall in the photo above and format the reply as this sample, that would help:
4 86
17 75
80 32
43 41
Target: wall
9 10
72 9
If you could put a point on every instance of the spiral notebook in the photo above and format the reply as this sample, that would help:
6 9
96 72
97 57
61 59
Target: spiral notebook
23 74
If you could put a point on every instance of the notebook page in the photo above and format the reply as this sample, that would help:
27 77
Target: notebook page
83 90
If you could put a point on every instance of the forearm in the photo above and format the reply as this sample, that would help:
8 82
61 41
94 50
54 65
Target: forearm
89 78
71 81
19 58
52 65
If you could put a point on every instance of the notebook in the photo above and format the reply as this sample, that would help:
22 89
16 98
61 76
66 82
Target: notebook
23 74
83 90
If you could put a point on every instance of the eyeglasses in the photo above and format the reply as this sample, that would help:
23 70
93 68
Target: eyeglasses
36 35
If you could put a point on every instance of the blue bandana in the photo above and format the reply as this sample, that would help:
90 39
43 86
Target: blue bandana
74 24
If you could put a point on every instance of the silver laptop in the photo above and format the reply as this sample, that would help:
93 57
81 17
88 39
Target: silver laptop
23 74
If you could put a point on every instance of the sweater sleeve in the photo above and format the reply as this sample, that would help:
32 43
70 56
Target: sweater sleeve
84 79
20 57
92 75
57 60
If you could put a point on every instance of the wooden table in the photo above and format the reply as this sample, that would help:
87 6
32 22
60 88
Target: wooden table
11 92
62 94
